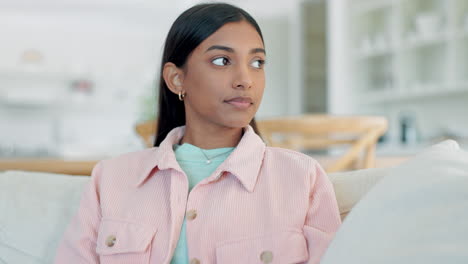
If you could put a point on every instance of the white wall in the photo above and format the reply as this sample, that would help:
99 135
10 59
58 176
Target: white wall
277 93
121 58
338 64
118 45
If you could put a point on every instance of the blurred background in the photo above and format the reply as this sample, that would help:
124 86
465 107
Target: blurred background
76 76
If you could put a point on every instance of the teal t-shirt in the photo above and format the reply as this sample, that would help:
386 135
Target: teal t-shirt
193 161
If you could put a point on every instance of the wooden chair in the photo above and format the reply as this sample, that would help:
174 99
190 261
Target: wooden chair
310 131
146 131
62 166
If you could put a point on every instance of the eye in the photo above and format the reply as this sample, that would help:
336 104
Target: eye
221 61
258 64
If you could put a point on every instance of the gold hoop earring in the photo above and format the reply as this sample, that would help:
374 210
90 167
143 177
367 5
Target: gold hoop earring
181 96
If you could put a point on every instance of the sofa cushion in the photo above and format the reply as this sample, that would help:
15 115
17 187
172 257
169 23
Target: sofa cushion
35 210
417 213
351 186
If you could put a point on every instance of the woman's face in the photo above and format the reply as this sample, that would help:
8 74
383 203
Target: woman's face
224 77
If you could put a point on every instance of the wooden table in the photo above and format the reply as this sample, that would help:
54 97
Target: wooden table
72 167
85 167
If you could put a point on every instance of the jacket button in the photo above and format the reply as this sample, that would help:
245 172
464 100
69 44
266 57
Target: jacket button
194 261
192 214
266 257
110 241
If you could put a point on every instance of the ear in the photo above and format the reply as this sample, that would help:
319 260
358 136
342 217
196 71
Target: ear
173 76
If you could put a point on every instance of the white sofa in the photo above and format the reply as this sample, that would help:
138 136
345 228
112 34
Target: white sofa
35 209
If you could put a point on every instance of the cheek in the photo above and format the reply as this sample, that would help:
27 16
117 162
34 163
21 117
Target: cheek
201 79
260 84
205 90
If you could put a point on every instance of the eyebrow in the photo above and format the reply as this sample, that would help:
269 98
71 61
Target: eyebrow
231 50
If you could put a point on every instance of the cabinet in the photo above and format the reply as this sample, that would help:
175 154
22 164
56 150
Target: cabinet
410 56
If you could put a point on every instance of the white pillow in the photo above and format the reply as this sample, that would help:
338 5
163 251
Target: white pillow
418 213
35 209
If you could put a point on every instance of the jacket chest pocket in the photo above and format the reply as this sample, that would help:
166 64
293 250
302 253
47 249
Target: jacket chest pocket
283 248
119 241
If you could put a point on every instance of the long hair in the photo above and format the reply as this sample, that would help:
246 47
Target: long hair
190 29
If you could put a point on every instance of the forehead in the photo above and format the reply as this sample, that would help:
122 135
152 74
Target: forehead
237 35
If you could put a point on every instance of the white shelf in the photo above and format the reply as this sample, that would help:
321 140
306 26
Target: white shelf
28 99
371 6
66 103
35 73
394 95
420 41
461 35
412 43
371 54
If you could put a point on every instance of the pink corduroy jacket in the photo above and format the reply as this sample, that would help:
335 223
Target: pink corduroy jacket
261 205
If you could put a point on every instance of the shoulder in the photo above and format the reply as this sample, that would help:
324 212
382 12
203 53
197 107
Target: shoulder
296 166
135 157
292 161
289 156
129 164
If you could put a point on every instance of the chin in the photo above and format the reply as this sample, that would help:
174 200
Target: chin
236 123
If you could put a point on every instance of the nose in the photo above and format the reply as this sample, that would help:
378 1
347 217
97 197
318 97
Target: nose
242 80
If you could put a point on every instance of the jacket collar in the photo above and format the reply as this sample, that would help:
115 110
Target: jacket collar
244 162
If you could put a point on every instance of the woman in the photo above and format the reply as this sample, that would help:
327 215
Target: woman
210 191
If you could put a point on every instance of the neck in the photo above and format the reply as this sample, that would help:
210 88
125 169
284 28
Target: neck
212 137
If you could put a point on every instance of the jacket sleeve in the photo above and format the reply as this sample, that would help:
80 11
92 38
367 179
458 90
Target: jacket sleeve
79 242
323 216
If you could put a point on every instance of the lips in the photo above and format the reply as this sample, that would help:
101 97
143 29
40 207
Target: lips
240 102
